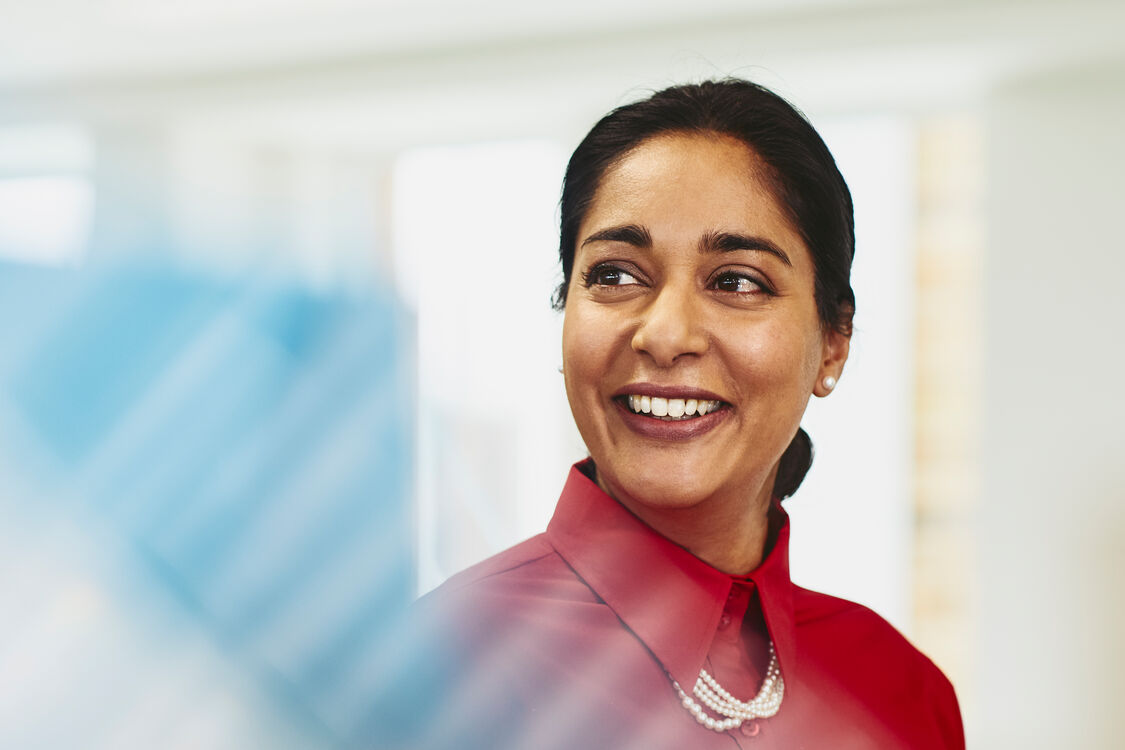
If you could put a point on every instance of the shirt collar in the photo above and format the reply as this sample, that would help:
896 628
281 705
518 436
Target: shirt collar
665 595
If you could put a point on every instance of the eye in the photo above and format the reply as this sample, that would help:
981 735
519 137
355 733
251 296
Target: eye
605 274
731 281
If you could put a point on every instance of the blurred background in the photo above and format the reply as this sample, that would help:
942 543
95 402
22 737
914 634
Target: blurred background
277 354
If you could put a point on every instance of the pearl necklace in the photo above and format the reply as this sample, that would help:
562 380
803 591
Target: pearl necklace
708 690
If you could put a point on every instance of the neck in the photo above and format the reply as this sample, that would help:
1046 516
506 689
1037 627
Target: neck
729 534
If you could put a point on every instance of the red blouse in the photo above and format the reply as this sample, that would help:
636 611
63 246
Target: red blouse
572 639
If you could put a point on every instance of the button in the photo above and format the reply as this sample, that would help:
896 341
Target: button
724 621
750 728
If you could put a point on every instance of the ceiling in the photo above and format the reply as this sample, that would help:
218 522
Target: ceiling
397 71
49 41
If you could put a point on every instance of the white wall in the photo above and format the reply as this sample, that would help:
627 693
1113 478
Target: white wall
853 516
1051 662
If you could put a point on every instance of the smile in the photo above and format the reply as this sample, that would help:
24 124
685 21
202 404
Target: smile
670 409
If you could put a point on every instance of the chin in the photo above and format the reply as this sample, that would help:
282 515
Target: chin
667 492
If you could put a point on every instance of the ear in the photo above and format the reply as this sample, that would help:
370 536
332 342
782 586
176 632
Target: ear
834 355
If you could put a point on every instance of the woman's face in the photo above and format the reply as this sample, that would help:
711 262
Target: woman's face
691 341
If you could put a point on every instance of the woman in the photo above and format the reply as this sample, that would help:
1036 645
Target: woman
706 245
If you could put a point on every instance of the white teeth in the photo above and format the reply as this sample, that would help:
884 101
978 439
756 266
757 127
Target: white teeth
671 408
675 407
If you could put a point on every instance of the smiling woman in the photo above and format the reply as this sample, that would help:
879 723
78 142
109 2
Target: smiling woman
693 286
706 242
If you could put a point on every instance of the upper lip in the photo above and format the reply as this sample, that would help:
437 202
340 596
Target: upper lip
667 391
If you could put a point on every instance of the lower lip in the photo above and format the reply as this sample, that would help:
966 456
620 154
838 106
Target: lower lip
674 430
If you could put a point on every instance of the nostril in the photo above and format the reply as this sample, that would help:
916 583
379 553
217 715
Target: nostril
667 338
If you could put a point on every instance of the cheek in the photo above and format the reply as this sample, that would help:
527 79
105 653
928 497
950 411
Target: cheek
777 358
586 351
587 345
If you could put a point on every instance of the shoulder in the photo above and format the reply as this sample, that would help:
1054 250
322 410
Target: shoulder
852 645
530 578
503 564
865 633
814 610
532 569
488 646
454 648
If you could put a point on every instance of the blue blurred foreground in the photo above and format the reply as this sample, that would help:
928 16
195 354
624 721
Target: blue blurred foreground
204 494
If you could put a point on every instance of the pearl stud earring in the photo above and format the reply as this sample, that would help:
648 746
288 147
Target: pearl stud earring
829 382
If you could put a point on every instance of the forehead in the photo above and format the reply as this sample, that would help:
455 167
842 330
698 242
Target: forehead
684 184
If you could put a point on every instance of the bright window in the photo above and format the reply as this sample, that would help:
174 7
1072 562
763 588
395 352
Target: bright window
45 220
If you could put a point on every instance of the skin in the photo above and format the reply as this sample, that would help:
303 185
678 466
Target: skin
661 304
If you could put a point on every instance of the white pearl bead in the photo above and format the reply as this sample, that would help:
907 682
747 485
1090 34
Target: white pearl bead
715 697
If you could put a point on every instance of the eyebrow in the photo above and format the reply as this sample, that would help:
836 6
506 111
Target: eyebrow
712 242
630 234
726 242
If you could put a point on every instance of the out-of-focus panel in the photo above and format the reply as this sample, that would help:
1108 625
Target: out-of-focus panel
228 465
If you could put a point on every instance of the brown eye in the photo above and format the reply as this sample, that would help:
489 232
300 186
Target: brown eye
606 275
736 282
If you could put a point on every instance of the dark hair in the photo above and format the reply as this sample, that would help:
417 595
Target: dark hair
801 171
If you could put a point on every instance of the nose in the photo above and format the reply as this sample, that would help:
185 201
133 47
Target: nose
671 326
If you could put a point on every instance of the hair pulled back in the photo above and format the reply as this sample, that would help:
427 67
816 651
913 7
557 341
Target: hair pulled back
801 171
